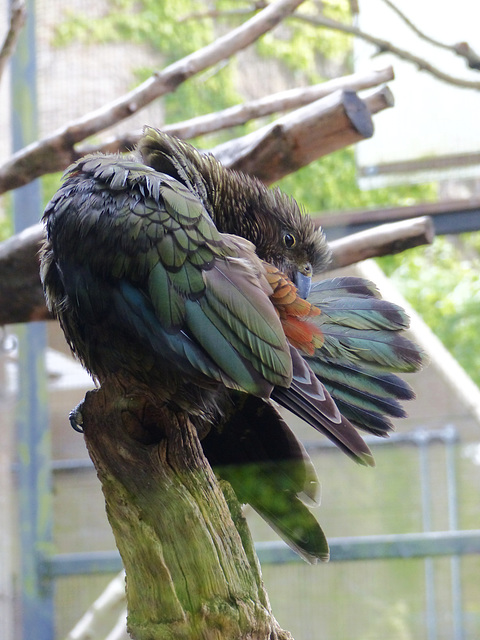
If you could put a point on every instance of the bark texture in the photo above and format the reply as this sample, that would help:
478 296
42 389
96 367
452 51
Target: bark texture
191 568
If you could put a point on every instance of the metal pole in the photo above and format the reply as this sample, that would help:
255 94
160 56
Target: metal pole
452 495
33 438
431 619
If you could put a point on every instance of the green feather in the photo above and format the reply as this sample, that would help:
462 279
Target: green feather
222 352
362 313
348 286
180 203
188 280
272 364
201 257
387 350
362 378
170 252
169 305
183 241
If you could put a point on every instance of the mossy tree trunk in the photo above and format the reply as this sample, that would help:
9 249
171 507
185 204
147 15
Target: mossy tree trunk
191 568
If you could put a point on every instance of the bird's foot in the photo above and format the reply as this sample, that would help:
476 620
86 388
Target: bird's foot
76 418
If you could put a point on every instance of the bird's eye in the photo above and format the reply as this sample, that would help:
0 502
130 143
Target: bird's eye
289 240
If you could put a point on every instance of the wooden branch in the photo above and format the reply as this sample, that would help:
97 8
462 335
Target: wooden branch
299 138
383 240
170 520
242 113
18 16
379 100
55 152
21 295
386 46
464 50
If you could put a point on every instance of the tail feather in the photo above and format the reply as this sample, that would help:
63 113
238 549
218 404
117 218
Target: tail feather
309 400
257 453
297 526
368 402
362 313
348 286
361 377
364 344
373 422
364 397
389 351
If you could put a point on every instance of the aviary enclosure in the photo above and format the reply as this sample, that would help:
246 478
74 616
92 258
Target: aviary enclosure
59 585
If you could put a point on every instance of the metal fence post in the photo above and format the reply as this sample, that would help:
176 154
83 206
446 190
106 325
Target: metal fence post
33 437
451 440
431 617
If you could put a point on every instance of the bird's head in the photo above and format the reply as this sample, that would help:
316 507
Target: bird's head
287 238
244 206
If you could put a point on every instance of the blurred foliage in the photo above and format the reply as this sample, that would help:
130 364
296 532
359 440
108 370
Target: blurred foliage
6 217
306 52
297 43
442 281
329 184
175 29
50 182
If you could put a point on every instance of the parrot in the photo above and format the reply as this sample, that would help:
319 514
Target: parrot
193 282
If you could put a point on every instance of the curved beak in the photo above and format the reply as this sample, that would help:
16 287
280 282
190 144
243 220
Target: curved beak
303 282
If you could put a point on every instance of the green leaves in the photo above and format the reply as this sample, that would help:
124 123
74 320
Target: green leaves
443 284
329 184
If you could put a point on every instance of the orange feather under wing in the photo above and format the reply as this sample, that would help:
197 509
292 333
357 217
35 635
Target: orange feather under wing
294 312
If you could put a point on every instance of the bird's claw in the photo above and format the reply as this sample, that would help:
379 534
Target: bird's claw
76 418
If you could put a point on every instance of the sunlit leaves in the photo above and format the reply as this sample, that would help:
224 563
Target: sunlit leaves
444 286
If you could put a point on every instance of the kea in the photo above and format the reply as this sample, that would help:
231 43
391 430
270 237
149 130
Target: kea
192 282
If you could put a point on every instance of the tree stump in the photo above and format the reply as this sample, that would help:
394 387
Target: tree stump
192 572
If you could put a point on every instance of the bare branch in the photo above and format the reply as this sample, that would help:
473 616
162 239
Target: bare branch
415 29
386 46
242 113
462 49
379 100
18 15
55 152
383 240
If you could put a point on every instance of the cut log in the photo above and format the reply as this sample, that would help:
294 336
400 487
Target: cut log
291 142
383 240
